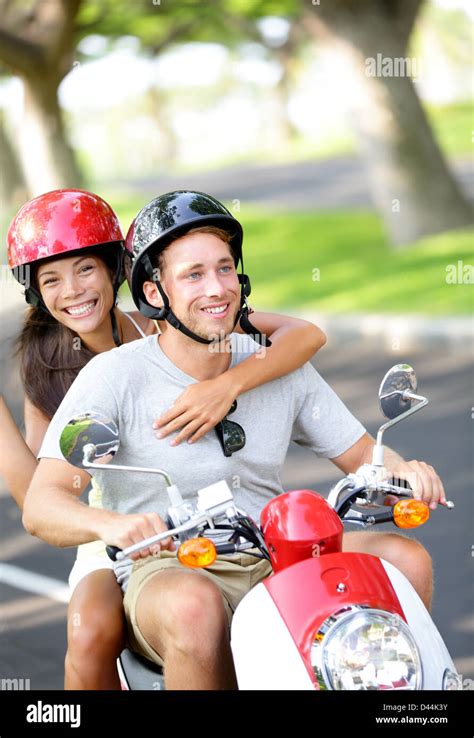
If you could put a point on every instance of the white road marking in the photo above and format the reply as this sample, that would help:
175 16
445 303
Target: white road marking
19 578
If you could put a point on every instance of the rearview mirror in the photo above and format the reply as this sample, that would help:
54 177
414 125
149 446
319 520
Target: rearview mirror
89 438
400 379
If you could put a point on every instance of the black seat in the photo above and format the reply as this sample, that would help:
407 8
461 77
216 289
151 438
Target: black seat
140 673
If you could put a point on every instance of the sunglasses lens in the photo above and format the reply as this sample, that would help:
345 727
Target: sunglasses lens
234 436
231 435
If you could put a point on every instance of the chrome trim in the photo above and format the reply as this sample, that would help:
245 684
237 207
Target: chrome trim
342 485
451 680
318 638
423 401
316 653
120 467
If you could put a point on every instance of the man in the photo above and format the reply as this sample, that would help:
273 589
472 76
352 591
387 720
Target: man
186 247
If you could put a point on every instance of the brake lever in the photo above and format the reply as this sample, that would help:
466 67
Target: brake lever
393 489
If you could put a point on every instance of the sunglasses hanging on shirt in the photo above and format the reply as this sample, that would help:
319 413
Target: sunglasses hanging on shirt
231 435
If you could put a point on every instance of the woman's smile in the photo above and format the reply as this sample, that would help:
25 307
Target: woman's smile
81 310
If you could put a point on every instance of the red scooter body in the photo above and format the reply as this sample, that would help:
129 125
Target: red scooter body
313 579
299 525
309 592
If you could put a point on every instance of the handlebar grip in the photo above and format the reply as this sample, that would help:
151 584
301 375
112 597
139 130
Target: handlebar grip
112 552
385 517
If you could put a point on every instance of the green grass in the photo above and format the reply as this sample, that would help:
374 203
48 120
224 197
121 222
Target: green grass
358 270
453 125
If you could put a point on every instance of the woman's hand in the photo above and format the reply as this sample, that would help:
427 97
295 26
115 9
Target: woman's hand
198 409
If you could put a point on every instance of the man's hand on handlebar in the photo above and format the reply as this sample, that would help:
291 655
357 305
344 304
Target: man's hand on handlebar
422 478
125 530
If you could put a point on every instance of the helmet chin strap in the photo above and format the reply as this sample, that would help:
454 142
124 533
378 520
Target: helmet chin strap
115 332
242 317
33 298
166 313
246 325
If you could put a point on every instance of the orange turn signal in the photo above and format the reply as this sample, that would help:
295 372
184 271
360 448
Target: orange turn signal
197 552
410 513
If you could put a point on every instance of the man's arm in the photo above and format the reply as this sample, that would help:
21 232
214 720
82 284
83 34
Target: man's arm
52 509
53 512
422 478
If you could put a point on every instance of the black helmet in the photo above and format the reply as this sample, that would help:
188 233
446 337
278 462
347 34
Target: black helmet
161 222
165 219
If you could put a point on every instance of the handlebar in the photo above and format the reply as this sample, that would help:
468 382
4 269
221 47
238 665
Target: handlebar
341 498
236 521
221 548
354 486
199 520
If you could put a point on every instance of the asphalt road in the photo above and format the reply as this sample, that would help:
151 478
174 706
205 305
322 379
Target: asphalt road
334 182
33 627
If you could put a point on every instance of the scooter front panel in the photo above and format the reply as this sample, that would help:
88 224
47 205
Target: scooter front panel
307 593
435 657
265 654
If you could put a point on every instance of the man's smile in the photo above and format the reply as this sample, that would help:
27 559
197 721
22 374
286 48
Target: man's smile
217 310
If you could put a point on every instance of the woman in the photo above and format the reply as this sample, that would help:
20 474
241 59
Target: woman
65 247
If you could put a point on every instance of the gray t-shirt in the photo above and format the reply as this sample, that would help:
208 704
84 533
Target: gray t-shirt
136 383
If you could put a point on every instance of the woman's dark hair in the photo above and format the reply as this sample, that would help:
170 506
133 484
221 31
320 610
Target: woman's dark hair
51 355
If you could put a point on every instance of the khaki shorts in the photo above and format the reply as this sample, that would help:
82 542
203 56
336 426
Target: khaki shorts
234 575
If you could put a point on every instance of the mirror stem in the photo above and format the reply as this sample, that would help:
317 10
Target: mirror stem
137 469
378 451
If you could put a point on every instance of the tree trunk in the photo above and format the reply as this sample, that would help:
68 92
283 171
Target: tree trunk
410 181
159 111
38 46
48 160
283 88
13 190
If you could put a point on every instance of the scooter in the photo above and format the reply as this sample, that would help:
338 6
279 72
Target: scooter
324 619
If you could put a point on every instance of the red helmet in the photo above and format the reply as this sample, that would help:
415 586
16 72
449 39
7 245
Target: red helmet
61 222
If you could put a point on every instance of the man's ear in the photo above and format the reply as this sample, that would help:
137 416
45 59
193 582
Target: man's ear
152 294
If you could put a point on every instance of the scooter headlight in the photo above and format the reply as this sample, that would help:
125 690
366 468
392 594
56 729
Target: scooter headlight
364 649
